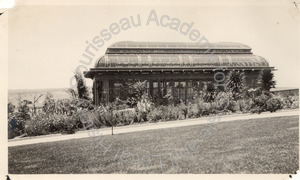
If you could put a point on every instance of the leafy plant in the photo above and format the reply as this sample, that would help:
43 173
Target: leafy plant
184 109
236 83
10 109
265 80
139 93
125 116
49 103
22 115
209 91
139 89
13 125
245 105
274 103
291 102
156 114
46 123
82 89
259 103
72 92
223 101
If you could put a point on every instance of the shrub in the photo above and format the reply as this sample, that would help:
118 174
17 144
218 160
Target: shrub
245 105
200 108
69 105
290 102
113 114
44 123
141 115
183 108
295 102
142 109
72 123
17 120
166 114
86 118
233 106
155 114
223 102
174 112
268 102
259 103
38 125
66 106
14 127
119 104
125 116
102 116
205 108
49 103
193 110
274 103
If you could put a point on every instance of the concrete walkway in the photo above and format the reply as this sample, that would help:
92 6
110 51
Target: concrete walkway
146 126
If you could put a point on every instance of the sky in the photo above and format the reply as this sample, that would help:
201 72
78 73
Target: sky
46 43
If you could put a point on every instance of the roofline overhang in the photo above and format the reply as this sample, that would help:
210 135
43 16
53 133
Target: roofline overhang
134 44
92 71
178 48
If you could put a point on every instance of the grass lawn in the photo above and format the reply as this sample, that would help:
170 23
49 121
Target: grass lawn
268 145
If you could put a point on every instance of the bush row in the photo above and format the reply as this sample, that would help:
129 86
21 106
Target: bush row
71 119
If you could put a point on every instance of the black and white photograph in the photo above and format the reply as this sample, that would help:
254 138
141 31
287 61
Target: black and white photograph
106 88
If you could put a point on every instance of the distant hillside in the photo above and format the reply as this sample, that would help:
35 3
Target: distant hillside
15 95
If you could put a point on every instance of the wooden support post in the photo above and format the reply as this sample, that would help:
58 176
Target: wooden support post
106 91
151 87
111 90
159 91
173 87
96 93
186 91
